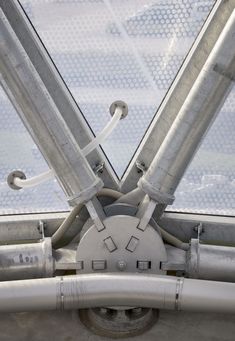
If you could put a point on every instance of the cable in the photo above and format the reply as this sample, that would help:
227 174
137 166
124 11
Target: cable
38 179
76 210
169 238
111 193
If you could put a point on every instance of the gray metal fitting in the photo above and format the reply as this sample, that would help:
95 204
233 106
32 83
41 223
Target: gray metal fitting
121 105
154 193
15 174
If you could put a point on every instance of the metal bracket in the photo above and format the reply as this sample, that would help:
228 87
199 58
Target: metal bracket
225 73
99 167
140 165
41 228
145 212
96 213
199 229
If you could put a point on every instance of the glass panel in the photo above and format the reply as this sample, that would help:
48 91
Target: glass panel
17 151
209 184
113 49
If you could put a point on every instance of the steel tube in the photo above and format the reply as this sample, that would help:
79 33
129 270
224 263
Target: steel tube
213 262
86 291
178 91
24 261
196 115
102 290
43 119
207 296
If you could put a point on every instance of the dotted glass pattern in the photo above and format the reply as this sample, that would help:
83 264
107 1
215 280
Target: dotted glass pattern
18 151
129 50
209 183
118 50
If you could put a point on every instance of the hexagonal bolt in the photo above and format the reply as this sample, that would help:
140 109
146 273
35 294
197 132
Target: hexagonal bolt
121 265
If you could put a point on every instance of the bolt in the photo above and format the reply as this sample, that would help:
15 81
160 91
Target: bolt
121 265
141 167
103 311
136 311
199 229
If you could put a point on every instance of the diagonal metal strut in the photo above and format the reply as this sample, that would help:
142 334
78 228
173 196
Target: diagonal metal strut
55 87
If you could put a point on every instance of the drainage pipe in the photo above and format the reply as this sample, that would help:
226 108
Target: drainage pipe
193 120
102 290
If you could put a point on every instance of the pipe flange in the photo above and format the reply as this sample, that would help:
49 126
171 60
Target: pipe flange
12 176
120 104
119 323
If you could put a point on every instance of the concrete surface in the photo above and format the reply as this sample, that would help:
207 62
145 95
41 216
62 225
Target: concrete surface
177 326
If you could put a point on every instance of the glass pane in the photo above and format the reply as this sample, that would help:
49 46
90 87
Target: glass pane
209 183
118 50
17 151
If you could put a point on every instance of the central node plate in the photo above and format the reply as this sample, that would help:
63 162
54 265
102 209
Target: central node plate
121 246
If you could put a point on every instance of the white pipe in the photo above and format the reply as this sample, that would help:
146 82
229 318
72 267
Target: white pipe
38 179
104 290
104 133
44 120
35 180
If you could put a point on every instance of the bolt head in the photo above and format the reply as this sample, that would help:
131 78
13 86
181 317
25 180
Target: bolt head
121 265
136 311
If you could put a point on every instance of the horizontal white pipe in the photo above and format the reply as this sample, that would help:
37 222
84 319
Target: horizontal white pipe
103 290
38 179
35 180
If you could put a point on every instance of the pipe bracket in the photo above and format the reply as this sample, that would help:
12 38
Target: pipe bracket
159 196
